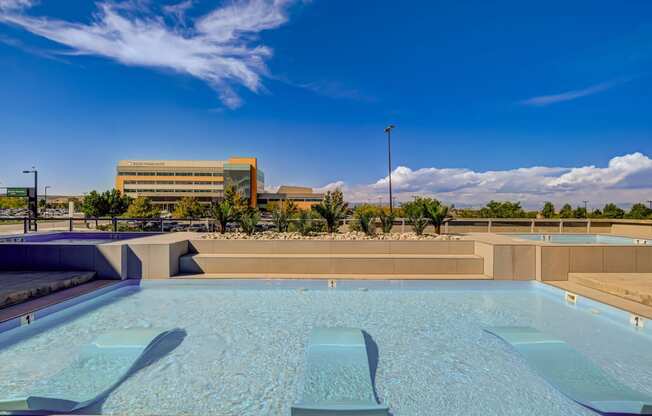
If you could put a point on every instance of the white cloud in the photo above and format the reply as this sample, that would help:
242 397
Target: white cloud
625 179
6 5
215 48
545 100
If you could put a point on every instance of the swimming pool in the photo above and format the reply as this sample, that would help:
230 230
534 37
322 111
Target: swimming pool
581 239
73 238
244 353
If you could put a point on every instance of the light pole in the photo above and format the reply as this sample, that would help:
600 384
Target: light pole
35 210
46 198
388 130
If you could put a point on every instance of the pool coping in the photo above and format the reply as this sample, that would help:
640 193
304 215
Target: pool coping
25 313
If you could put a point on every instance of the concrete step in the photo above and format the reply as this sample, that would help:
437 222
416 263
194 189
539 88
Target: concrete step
341 264
251 276
207 246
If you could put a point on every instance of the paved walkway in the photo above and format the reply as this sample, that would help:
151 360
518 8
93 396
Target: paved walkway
636 287
52 299
616 291
17 287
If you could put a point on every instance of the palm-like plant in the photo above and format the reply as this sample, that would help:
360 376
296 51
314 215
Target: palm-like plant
248 220
365 221
386 220
414 212
224 212
434 211
332 209
303 224
281 214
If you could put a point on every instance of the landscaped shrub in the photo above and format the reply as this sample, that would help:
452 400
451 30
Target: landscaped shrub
332 209
303 223
434 211
282 211
364 220
223 212
248 220
386 218
414 213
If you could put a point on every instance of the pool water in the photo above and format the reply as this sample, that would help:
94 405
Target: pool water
580 239
245 349
76 238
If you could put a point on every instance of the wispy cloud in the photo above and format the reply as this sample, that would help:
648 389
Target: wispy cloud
545 100
626 178
218 48
335 90
15 43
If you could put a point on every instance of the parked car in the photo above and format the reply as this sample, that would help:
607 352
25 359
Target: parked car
199 227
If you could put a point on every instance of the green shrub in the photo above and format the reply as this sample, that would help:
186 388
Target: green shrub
223 212
248 220
332 209
434 211
364 220
414 212
386 218
304 223
281 213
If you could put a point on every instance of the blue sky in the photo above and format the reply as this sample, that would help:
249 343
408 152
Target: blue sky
492 100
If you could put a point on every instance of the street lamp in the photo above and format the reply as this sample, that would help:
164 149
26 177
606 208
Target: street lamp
35 211
388 130
46 197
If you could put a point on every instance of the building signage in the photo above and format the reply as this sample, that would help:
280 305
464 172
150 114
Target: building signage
18 192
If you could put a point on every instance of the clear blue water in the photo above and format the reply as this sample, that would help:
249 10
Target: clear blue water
245 349
578 238
73 237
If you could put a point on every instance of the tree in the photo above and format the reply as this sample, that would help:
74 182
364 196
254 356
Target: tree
611 210
548 210
223 213
414 212
248 220
108 203
566 211
282 211
142 207
596 213
332 209
304 224
116 203
580 212
13 202
386 217
363 220
234 197
639 212
496 209
188 207
434 211
94 205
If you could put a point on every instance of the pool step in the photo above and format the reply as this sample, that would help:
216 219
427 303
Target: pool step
338 264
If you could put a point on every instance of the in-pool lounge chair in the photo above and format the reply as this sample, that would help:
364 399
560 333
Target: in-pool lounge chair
98 369
338 377
573 374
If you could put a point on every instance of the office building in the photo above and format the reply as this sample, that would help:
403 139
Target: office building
165 182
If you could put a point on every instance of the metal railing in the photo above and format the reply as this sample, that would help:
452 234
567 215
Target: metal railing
457 225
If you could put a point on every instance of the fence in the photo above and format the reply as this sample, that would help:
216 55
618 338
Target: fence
642 228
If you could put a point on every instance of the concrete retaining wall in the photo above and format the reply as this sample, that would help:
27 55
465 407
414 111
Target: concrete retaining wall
556 262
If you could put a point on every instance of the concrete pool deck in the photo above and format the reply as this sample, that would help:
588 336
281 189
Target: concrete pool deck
604 297
51 299
17 287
